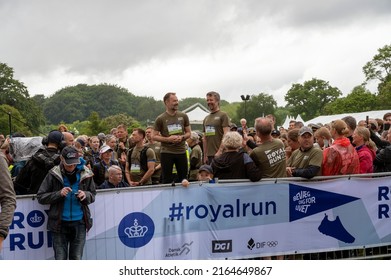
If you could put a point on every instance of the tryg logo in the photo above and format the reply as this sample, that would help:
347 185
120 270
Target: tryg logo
251 244
221 246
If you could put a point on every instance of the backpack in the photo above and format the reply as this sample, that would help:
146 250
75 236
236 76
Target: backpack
143 158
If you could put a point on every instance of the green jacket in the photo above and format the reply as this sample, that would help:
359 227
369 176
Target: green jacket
7 197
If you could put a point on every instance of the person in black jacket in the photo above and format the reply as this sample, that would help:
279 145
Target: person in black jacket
36 168
234 163
382 161
68 188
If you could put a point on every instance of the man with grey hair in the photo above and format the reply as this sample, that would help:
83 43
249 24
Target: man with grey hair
115 179
215 125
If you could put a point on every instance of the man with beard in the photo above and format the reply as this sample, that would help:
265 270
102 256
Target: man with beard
171 129
215 125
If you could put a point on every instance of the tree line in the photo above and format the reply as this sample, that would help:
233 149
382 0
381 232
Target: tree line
90 109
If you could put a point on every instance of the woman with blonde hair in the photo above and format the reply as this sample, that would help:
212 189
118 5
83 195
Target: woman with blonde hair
366 149
341 157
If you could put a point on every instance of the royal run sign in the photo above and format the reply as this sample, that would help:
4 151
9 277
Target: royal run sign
219 221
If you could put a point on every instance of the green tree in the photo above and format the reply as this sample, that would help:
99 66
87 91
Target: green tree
94 124
14 93
359 100
379 68
258 106
113 121
18 123
310 98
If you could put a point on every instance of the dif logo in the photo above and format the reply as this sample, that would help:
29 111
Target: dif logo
136 230
221 246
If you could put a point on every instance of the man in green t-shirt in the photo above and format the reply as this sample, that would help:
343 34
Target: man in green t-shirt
215 125
305 161
171 129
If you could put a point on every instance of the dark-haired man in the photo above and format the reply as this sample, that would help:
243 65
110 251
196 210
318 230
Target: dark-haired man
171 129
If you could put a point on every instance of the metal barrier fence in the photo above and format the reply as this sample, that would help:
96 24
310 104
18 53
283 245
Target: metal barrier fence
375 252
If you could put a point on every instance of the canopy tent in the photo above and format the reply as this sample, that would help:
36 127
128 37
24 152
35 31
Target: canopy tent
196 113
290 118
358 116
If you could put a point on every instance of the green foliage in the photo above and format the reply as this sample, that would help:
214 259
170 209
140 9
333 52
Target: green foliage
258 106
94 124
384 95
15 94
231 110
187 102
309 99
113 121
18 123
280 113
359 100
379 68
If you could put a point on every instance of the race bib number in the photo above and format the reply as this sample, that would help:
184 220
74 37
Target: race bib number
210 130
174 129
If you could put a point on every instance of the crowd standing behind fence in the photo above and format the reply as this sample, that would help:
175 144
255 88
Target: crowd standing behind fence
346 146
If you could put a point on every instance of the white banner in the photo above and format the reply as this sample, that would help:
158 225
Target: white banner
219 221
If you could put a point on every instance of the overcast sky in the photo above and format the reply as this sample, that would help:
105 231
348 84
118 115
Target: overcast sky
192 47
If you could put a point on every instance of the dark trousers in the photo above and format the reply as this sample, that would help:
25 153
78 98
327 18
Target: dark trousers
69 242
167 162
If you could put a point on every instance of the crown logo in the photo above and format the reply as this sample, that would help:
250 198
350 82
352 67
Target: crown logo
35 219
136 230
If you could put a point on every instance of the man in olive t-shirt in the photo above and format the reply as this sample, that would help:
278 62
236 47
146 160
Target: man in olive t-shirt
171 129
269 155
215 125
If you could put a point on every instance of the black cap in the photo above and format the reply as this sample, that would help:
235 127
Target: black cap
70 155
206 168
55 136
277 132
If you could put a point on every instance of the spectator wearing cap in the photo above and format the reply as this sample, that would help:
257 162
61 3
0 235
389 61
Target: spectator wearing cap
100 169
233 127
215 126
306 161
341 157
195 155
68 188
115 179
276 133
37 167
234 163
205 174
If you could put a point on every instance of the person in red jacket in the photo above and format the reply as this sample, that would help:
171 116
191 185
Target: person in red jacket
341 157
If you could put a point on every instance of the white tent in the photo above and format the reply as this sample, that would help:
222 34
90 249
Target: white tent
286 122
358 116
196 113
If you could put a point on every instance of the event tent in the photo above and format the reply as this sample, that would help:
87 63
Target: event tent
358 116
196 113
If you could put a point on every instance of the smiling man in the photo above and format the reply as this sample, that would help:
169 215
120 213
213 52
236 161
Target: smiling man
215 125
306 161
